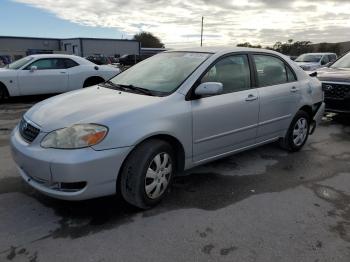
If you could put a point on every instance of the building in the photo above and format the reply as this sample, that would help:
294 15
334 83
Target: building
147 52
17 47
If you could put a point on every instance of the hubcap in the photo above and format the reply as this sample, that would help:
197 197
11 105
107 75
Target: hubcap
158 175
300 131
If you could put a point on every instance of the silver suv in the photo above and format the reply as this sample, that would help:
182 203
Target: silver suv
169 113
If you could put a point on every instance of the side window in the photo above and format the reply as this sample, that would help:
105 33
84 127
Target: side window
270 70
232 71
69 63
325 60
47 63
332 58
291 77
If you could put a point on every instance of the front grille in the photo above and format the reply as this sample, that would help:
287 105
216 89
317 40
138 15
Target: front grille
336 91
28 131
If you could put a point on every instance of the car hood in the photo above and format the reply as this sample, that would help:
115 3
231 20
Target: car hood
334 74
91 105
7 72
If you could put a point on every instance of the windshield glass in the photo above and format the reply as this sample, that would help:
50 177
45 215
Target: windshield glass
309 58
162 73
19 63
343 62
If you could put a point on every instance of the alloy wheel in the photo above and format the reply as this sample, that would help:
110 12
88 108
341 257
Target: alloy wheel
300 131
158 175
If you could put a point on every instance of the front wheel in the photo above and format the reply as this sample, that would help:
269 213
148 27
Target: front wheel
298 132
147 173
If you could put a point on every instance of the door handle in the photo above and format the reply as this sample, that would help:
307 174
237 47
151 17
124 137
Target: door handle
294 89
251 97
62 72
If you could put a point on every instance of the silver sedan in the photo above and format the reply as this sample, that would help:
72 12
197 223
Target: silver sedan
169 113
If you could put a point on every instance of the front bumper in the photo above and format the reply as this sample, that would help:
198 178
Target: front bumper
337 105
47 170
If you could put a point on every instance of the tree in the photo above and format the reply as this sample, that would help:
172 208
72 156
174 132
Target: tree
247 44
328 47
148 40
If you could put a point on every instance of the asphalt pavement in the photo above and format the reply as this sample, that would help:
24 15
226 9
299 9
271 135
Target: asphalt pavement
261 205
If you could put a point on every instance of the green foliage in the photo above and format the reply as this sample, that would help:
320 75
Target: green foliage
148 40
247 44
329 47
293 48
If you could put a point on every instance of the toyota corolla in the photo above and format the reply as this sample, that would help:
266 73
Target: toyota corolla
169 113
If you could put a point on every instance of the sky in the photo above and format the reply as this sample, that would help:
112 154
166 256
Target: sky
177 23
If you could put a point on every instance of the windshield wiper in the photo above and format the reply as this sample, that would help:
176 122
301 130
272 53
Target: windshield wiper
110 84
121 87
137 89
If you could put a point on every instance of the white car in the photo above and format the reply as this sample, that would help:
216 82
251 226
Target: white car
313 61
50 74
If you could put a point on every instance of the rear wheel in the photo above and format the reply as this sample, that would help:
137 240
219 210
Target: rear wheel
298 132
93 81
3 92
147 173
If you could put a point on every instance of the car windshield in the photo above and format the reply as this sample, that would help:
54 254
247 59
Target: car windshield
162 73
309 58
19 63
343 62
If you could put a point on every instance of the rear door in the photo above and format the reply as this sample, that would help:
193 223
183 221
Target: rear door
279 93
226 122
49 77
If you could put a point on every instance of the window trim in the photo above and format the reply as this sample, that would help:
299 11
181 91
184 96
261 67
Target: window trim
192 96
286 64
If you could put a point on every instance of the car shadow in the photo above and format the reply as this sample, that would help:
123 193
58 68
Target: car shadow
210 187
26 99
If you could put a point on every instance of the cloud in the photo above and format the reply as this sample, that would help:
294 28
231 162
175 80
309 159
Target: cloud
177 22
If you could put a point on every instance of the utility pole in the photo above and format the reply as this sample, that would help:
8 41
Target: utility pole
202 31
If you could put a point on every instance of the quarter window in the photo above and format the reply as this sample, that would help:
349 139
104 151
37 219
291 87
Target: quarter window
290 75
69 63
272 71
232 71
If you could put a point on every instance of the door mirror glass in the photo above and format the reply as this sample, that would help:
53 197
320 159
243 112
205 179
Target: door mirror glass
209 89
33 68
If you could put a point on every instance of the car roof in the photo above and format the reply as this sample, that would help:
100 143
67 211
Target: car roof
223 50
319 54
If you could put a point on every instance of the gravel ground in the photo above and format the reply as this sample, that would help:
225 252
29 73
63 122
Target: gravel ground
261 205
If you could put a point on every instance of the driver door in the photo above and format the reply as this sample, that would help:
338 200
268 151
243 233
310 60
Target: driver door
226 122
49 77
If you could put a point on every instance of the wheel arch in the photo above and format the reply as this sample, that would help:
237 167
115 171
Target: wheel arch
308 110
2 85
93 79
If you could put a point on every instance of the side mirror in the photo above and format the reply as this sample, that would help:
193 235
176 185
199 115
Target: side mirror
33 69
313 74
209 89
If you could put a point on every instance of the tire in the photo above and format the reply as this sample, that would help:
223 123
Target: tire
3 92
147 173
93 81
297 133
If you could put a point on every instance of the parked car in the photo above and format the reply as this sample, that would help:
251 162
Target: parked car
336 85
169 113
128 60
99 60
313 61
49 74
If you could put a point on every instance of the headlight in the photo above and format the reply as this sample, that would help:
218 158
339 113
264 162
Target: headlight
77 136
